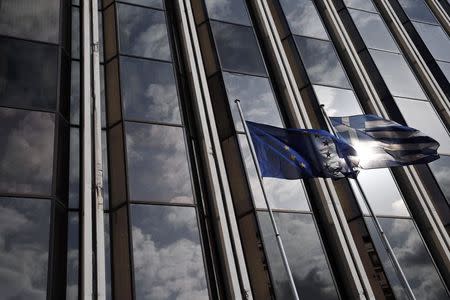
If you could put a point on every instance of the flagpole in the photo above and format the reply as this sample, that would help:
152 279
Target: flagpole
269 208
378 227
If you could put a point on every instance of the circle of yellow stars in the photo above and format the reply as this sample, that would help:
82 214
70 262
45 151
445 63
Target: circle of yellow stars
292 157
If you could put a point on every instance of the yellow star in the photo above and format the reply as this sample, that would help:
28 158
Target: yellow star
302 165
292 157
286 147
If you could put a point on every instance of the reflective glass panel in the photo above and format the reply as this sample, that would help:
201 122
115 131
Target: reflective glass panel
28 74
158 167
143 32
445 67
149 92
35 20
257 99
76 33
397 75
233 11
381 192
74 171
282 194
373 30
75 93
237 48
414 259
105 170
418 10
24 240
305 254
167 254
149 3
441 171
422 116
303 18
26 155
435 39
72 256
321 62
361 4
338 102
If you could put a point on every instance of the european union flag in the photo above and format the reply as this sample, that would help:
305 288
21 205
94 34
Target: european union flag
301 153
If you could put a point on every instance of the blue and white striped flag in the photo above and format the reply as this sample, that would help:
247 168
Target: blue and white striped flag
382 143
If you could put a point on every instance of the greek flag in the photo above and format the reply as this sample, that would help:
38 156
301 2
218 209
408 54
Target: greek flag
382 143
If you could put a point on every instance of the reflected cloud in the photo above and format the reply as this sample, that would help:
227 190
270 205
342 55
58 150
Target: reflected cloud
338 102
26 158
361 4
168 260
233 11
24 239
441 171
418 10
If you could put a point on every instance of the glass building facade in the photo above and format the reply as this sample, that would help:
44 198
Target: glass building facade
184 212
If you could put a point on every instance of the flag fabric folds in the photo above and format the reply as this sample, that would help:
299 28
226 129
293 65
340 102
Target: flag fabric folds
382 143
301 153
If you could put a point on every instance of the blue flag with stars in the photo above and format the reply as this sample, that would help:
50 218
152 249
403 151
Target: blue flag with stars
301 153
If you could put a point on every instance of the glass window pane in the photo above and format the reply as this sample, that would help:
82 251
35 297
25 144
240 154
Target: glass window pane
35 20
158 168
149 92
237 48
149 3
167 254
74 171
361 4
233 11
105 170
338 102
76 33
305 254
441 171
373 30
75 93
143 32
397 75
445 67
72 256
24 240
26 155
257 99
282 194
414 259
435 39
321 62
418 10
303 18
422 116
381 192
28 74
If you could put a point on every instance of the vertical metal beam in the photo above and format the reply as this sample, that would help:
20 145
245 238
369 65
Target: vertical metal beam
86 167
98 166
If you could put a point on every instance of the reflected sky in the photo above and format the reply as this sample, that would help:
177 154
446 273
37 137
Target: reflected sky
306 257
338 102
35 20
435 39
24 240
72 256
445 67
76 33
381 192
303 18
441 171
75 93
397 75
257 99
149 3
28 74
158 167
418 10
233 11
422 116
414 259
167 255
361 4
321 62
237 48
373 30
282 194
74 168
143 32
149 92
26 157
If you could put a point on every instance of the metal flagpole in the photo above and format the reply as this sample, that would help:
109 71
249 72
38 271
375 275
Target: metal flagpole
378 227
269 208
